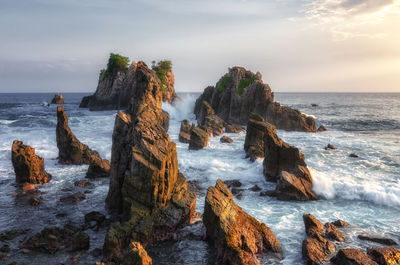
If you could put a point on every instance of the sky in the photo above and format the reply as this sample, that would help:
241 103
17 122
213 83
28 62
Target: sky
297 45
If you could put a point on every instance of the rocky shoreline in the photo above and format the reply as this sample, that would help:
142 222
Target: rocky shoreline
149 199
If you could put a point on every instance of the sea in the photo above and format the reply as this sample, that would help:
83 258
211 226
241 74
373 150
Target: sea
363 191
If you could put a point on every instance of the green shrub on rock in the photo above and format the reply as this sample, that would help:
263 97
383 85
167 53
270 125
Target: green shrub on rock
162 68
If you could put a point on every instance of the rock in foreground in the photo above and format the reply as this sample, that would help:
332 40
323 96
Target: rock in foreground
241 92
351 256
198 139
28 166
237 236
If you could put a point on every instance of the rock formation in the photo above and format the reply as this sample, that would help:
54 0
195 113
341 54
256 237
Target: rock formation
184 133
116 88
237 236
318 246
241 92
198 138
209 121
57 99
225 139
72 151
352 256
27 165
136 255
384 256
146 188
254 142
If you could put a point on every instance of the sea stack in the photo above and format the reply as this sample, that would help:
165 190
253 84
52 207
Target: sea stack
241 92
146 188
117 83
72 151
57 99
28 166
237 236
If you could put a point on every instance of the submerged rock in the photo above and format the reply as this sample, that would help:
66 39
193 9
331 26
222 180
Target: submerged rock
72 151
322 128
241 92
198 139
380 240
146 188
237 236
57 99
225 139
353 155
28 166
116 88
330 147
74 198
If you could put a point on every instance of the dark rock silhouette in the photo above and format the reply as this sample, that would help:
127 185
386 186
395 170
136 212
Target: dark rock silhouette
57 99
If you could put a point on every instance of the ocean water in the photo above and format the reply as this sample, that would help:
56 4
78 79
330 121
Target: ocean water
363 191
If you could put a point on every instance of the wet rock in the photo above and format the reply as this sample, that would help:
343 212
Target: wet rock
255 188
340 223
380 240
198 139
49 240
351 256
83 183
5 248
146 188
79 241
237 236
72 151
209 121
27 186
184 137
318 246
353 155
241 92
330 147
34 201
254 142
27 165
184 133
57 99
269 193
233 183
4 256
115 89
94 219
73 227
286 165
98 168
322 128
74 198
233 128
384 256
136 255
314 105
225 139
12 234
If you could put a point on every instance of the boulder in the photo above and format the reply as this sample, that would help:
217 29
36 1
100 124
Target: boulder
254 141
352 155
184 133
208 119
321 129
286 165
384 256
135 254
146 188
380 240
28 166
72 151
83 183
351 256
225 139
49 240
318 246
241 92
57 99
198 139
79 241
233 128
237 236
116 89
330 147
34 201
74 198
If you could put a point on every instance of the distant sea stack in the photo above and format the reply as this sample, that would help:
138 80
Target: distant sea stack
117 83
57 99
241 92
146 188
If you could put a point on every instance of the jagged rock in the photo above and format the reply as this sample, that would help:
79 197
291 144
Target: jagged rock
380 240
184 133
83 183
34 201
72 151
285 164
237 236
330 147
74 198
384 256
255 188
198 139
115 90
57 99
340 223
322 128
353 155
254 142
146 188
136 255
94 219
241 92
208 119
318 246
233 128
28 166
233 183
351 256
226 139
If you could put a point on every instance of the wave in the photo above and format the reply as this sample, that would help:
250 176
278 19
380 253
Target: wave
182 108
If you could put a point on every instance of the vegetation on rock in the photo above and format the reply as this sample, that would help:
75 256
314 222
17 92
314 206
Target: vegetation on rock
116 63
223 83
162 67
243 83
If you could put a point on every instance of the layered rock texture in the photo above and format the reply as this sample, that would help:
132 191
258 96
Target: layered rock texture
318 246
28 166
241 92
146 188
184 133
237 236
254 141
57 99
115 90
72 151
198 138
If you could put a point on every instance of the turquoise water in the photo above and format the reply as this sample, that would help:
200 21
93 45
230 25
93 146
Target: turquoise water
364 191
